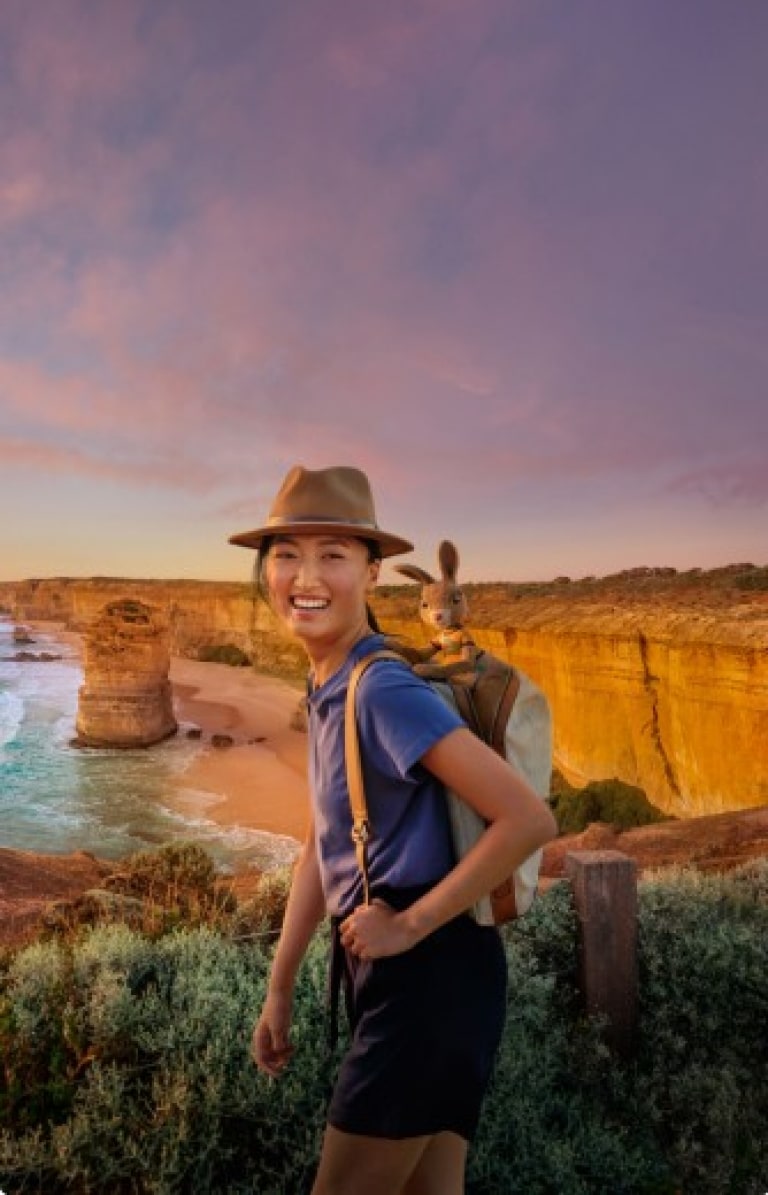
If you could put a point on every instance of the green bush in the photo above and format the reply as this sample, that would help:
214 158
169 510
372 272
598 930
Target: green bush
126 1068
752 578
153 1038
702 1068
621 805
224 653
155 892
553 1120
163 874
262 914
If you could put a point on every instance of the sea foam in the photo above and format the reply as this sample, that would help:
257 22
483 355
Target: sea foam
11 715
56 798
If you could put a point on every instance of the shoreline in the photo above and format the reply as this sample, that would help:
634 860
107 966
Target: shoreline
258 783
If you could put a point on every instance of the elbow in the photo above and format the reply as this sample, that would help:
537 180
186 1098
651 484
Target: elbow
549 828
541 827
531 833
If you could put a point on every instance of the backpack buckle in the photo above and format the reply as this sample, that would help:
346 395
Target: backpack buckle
361 832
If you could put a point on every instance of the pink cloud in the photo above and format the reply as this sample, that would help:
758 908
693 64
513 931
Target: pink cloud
80 52
735 482
389 234
172 472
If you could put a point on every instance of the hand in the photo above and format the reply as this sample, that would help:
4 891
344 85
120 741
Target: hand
271 1049
376 931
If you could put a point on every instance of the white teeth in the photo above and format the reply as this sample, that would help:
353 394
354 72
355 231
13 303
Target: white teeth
309 603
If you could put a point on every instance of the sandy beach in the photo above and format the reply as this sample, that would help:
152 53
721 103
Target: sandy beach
260 781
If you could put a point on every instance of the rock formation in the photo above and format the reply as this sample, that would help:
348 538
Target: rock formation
657 679
126 699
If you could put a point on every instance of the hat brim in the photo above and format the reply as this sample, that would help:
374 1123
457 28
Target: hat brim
390 545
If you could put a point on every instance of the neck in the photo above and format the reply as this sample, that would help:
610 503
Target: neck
325 660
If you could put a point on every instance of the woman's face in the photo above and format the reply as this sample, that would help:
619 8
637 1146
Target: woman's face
318 585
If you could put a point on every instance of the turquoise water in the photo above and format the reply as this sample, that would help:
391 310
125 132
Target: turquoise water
56 798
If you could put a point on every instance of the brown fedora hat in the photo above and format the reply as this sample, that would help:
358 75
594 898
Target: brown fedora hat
311 502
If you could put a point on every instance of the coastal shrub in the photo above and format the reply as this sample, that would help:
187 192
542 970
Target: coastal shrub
756 579
224 653
155 892
174 867
164 1096
126 1068
702 1067
622 805
553 1122
179 878
36 1081
262 914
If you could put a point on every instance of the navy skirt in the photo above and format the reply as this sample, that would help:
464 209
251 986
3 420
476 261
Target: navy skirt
425 1028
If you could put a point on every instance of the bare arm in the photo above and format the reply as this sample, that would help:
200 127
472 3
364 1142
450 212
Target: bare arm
519 822
270 1046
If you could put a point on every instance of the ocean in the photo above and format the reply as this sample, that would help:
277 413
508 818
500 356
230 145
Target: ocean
55 798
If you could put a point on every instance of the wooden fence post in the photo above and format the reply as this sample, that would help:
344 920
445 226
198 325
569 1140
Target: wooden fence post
605 896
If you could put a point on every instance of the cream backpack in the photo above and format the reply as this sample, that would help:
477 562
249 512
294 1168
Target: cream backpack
504 708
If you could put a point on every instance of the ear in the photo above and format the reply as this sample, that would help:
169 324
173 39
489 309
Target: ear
374 568
449 560
415 573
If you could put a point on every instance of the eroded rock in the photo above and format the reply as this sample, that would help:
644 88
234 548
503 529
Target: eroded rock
126 699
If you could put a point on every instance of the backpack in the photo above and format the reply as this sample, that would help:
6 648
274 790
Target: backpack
507 711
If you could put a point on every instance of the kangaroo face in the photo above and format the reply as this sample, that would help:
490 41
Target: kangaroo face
443 605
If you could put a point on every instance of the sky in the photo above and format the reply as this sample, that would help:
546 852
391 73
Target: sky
510 257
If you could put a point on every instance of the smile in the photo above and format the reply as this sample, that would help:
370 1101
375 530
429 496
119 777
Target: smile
301 603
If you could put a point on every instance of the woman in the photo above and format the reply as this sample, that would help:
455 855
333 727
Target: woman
425 983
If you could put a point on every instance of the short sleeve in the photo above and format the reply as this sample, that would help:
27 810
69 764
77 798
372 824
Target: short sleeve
402 714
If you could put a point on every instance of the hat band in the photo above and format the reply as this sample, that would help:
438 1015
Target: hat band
287 521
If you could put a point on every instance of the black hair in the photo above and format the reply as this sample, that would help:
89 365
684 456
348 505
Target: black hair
259 561
374 557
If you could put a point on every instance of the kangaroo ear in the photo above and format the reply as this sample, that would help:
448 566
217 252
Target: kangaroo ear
449 560
415 573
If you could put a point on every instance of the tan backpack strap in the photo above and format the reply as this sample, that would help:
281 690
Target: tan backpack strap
486 702
361 826
504 713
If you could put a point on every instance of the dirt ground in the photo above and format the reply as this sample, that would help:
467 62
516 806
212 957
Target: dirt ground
29 883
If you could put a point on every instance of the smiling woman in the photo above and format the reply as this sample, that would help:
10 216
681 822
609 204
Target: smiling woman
425 984
316 583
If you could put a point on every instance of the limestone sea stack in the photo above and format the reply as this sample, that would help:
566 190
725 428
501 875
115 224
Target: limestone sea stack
126 698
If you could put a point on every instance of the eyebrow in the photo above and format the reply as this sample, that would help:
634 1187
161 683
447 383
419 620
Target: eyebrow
325 541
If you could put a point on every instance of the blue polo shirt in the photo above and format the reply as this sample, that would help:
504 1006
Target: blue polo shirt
399 718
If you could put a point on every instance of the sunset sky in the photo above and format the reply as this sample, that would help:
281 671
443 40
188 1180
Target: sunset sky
508 256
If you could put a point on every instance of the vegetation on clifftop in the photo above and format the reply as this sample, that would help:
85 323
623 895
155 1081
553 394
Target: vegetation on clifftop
612 801
126 1054
224 653
502 603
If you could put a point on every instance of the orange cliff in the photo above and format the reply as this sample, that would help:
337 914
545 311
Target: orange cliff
659 680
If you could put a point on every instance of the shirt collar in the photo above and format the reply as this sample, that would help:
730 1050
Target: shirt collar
338 682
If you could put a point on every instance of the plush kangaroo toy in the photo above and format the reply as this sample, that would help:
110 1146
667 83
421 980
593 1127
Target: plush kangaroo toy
444 609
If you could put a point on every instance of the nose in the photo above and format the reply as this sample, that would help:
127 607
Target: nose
306 571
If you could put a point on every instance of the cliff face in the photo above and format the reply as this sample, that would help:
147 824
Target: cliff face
126 699
687 721
665 690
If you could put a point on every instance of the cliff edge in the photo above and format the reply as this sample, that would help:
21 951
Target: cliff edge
655 677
